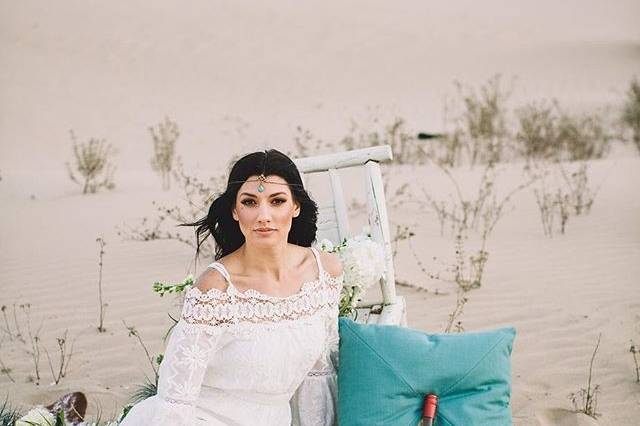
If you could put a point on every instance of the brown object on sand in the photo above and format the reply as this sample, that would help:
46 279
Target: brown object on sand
74 406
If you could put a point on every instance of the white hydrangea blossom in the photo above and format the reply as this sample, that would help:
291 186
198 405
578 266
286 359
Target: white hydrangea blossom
363 265
363 262
38 416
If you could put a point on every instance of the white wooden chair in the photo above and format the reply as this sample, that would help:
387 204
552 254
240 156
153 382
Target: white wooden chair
333 222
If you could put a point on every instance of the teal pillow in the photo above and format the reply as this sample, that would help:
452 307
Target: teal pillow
385 371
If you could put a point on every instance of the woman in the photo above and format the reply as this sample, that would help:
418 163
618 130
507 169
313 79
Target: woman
257 340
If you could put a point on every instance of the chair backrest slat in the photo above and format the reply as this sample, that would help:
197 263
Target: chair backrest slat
333 218
379 224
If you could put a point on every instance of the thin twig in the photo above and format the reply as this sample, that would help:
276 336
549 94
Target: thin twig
101 243
3 367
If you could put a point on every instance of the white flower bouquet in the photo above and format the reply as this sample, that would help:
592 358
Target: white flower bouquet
363 265
37 416
41 416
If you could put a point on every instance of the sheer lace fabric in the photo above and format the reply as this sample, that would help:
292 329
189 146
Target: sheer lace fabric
245 358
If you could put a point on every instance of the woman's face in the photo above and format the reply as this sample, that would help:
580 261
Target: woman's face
273 208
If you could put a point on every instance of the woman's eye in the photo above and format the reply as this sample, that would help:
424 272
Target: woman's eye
279 201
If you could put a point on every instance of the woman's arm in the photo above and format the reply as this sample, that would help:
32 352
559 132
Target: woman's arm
192 344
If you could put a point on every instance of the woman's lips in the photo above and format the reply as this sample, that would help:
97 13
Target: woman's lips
268 231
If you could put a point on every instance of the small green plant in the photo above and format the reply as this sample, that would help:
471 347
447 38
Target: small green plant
8 414
586 399
146 390
631 111
164 136
162 288
92 164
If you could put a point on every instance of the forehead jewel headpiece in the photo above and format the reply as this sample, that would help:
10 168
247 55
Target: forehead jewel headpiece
262 178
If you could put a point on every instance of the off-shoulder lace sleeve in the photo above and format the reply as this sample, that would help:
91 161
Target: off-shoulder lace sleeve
315 401
191 346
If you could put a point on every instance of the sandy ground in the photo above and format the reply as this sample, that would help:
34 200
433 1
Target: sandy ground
240 77
559 292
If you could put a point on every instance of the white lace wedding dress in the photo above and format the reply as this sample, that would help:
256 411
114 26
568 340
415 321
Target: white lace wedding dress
240 358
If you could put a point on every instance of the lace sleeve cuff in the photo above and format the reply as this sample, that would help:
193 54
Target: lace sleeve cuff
171 413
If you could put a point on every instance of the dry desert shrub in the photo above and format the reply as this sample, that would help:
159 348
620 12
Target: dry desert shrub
631 111
571 194
407 148
92 164
479 213
164 137
64 358
35 347
546 132
307 144
404 233
195 200
3 367
150 387
34 342
452 324
477 128
537 131
374 128
586 399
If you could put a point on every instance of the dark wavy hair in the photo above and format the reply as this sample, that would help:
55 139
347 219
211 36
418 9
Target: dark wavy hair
219 222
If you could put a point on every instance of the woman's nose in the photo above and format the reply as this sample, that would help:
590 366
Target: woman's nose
264 213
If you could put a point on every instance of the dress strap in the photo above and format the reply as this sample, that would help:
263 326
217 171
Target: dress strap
220 267
317 256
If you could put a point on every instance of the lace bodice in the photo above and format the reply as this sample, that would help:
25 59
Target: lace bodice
236 356
216 308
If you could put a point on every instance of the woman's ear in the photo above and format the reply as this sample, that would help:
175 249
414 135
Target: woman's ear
296 211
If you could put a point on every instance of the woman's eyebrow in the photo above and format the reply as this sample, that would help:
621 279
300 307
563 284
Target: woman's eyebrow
272 195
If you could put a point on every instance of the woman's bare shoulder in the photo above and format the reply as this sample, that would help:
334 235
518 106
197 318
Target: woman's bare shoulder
331 263
211 278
